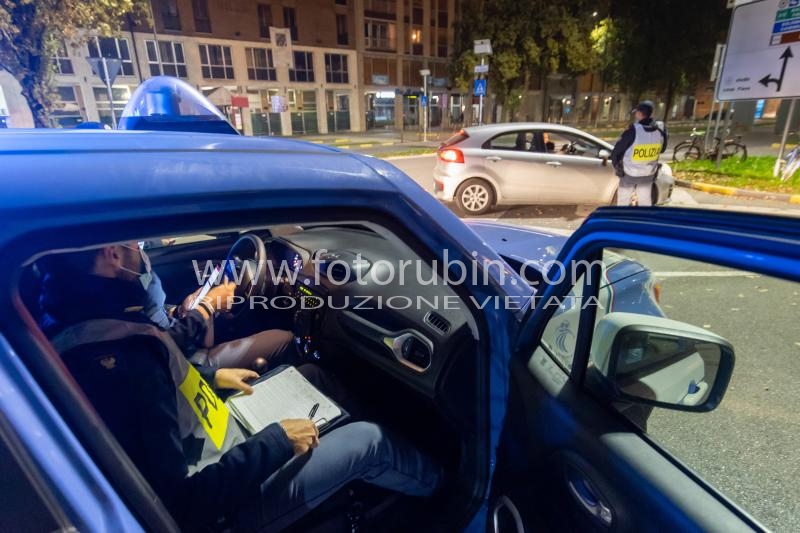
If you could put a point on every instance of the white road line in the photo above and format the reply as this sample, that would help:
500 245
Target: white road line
710 274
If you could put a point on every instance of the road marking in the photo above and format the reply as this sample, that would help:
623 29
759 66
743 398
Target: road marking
710 274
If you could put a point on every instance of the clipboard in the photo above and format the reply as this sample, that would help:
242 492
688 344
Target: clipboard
281 394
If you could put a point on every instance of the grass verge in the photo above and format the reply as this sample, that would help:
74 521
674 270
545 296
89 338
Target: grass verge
405 153
754 174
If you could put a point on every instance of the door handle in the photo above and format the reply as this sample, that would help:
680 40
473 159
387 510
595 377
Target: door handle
494 158
553 163
504 503
587 497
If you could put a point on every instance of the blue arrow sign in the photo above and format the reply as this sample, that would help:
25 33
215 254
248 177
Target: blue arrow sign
479 89
424 101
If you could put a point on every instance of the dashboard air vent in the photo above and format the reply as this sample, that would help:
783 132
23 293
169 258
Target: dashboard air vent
438 322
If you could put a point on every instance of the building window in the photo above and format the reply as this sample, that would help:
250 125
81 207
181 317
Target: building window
215 62
290 21
112 48
62 61
336 68
380 35
264 20
260 65
341 30
167 59
303 67
169 15
388 7
441 46
202 19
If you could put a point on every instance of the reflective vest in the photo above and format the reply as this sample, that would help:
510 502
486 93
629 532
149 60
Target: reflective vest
202 416
641 158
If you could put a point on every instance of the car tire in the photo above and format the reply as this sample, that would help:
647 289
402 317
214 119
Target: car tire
474 197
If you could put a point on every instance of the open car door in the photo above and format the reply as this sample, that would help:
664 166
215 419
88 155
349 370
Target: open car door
636 402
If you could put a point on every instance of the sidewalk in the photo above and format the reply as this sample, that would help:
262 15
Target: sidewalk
378 138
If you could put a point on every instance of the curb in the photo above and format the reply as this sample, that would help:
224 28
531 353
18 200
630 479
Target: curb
732 191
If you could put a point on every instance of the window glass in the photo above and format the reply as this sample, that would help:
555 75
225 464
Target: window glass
112 48
516 140
746 447
568 144
215 61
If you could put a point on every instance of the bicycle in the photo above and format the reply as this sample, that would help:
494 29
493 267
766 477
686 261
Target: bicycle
792 164
692 149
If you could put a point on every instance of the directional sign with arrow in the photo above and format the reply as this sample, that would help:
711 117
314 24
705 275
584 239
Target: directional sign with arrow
759 60
766 80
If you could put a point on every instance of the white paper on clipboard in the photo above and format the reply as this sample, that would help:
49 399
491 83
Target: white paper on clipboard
284 395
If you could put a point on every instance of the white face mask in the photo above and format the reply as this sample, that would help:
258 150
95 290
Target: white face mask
144 277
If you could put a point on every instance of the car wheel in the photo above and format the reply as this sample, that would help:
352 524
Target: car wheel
474 197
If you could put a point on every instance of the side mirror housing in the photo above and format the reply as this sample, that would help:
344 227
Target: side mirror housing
604 155
661 362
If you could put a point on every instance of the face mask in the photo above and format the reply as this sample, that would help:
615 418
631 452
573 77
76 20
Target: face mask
144 277
154 308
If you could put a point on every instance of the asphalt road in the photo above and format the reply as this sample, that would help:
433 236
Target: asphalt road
569 217
746 448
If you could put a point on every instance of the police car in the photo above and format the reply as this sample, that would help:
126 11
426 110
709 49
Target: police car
466 353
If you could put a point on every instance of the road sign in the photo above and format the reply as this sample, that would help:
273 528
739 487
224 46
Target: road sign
481 69
112 65
424 101
479 89
482 46
762 52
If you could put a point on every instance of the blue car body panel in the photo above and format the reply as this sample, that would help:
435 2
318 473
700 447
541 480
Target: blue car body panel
86 179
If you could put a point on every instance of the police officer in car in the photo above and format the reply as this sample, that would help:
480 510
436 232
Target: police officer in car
635 156
169 419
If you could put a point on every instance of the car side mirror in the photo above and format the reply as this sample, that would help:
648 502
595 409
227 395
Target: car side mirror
604 155
661 362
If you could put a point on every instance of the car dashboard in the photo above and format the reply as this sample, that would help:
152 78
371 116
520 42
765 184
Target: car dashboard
352 290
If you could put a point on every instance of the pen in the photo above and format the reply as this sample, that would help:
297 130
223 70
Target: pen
313 411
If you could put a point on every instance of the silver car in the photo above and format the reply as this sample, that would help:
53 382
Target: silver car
529 163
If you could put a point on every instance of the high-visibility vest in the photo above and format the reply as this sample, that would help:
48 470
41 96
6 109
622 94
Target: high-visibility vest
641 158
202 415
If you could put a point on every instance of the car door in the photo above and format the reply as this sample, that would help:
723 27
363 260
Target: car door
575 456
570 170
507 158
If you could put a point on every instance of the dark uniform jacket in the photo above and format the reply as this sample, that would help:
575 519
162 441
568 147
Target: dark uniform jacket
629 136
130 386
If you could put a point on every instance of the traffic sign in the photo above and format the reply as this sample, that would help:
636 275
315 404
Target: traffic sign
479 89
482 46
424 101
481 69
102 66
762 51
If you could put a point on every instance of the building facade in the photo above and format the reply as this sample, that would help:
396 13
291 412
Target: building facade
355 64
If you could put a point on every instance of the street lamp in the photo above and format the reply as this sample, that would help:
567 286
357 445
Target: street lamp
425 73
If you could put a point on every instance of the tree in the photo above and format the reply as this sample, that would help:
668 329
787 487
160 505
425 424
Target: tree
529 38
31 31
664 46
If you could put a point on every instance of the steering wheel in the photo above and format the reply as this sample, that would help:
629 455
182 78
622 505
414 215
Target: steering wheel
248 258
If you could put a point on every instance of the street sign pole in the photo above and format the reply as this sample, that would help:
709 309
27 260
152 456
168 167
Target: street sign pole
425 103
425 109
480 99
110 94
482 48
777 168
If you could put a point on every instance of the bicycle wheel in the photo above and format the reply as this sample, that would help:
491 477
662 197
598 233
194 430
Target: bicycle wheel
686 152
734 150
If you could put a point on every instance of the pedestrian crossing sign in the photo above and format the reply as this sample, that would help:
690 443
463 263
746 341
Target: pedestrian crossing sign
479 89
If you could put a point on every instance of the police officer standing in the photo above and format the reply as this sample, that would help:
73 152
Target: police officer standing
635 156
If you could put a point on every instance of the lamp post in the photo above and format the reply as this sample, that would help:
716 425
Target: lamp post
425 73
